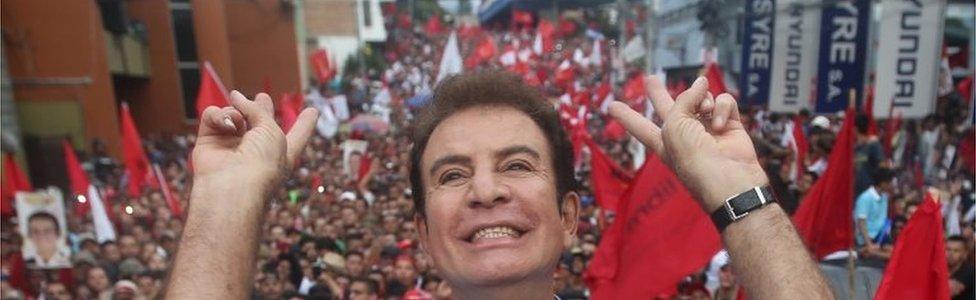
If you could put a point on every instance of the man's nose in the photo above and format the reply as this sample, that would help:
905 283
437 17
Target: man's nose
487 191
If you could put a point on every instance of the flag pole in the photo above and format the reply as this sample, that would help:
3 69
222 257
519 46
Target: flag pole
851 102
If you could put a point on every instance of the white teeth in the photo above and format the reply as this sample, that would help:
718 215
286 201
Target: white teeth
495 233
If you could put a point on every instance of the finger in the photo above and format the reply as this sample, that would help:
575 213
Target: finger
638 126
231 117
211 123
252 111
687 103
300 132
264 100
707 106
726 109
660 98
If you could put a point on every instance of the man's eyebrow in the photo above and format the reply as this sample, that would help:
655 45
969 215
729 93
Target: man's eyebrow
450 159
517 149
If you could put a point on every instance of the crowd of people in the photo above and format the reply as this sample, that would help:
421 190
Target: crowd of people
342 225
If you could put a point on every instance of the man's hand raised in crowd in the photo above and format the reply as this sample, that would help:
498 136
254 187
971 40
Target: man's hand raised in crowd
243 140
240 156
702 139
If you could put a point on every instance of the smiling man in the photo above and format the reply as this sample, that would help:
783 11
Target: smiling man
494 190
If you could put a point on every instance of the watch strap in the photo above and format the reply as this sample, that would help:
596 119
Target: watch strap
739 206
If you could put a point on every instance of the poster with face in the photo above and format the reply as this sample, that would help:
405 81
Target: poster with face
352 155
40 215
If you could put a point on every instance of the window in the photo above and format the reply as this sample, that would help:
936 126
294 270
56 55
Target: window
367 14
186 54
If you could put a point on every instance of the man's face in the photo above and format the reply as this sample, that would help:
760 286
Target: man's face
955 252
359 291
128 246
354 265
491 212
44 233
97 280
57 291
349 216
111 252
405 272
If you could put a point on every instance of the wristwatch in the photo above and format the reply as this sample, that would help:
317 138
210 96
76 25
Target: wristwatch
739 206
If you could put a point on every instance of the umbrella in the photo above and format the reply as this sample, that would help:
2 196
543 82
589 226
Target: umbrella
369 123
419 100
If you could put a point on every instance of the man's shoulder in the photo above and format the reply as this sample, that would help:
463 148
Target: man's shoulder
868 195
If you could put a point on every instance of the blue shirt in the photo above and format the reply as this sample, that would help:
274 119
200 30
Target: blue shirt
872 207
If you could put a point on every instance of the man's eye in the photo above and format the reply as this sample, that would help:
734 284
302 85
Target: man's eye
450 177
518 166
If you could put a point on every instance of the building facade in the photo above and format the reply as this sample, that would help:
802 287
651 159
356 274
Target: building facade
72 63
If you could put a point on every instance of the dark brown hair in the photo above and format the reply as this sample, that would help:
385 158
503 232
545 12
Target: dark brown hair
491 88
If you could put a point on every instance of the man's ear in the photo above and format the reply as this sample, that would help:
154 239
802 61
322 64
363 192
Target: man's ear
420 223
570 216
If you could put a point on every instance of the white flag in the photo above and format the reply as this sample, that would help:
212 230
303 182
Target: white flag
451 62
328 124
104 231
596 58
537 44
634 50
663 77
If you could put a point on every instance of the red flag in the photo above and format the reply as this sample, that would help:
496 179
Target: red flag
545 32
212 91
174 204
484 52
659 236
365 164
521 17
609 180
716 81
466 32
134 157
615 131
918 269
967 150
565 75
324 70
802 146
566 27
288 108
14 181
635 90
825 217
77 177
965 88
868 110
434 25
891 127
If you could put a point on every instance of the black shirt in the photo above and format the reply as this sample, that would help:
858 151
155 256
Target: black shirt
965 276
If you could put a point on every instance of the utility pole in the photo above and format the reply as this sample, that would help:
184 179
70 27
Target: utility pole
650 26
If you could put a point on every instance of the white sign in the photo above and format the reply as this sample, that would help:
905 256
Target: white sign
909 49
794 56
40 216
